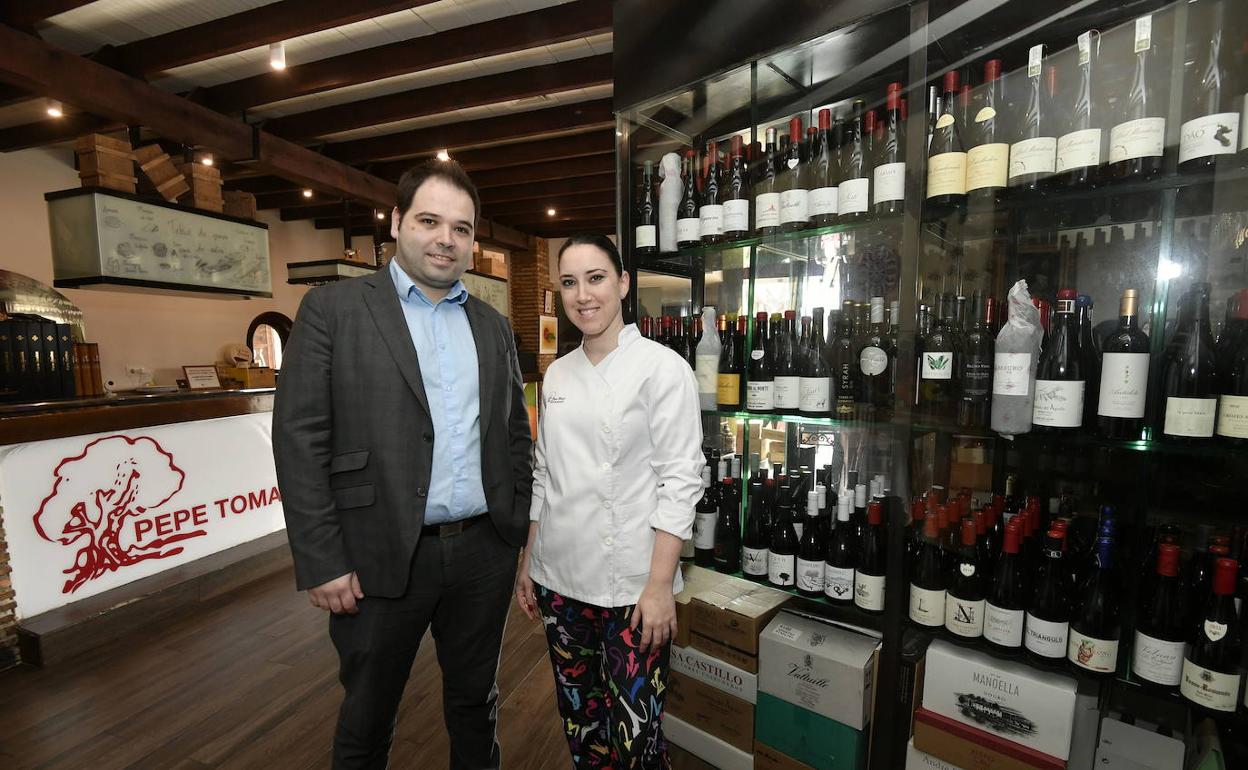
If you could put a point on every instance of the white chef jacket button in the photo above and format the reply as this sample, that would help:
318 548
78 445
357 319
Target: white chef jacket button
608 541
606 428
606 466
606 503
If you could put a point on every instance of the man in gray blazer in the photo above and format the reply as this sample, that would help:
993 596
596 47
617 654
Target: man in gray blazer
402 444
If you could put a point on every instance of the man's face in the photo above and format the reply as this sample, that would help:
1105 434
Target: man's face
434 238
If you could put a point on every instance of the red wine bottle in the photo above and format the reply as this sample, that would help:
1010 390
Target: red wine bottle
760 386
1006 606
1061 381
1232 423
1124 374
1189 377
877 360
1213 666
854 193
889 182
794 187
815 384
1211 128
1160 633
975 386
1079 149
728 530
756 540
767 190
728 377
928 581
687 222
988 159
736 194
787 380
1094 626
843 367
1033 154
705 514
1138 142
711 208
870 568
824 173
782 554
1047 630
838 570
938 362
946 158
645 235
964 608
811 550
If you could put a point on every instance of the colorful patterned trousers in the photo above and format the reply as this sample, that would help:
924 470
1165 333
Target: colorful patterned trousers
610 697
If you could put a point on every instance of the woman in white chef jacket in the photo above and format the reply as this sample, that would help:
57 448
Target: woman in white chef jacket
617 475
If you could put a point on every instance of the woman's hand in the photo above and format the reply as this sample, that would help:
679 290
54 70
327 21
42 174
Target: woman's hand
526 597
656 614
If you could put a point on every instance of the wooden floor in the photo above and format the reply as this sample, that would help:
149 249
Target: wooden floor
251 682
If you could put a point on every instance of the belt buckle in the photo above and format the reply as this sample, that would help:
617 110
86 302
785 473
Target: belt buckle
451 530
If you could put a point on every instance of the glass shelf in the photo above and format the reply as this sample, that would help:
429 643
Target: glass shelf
769 241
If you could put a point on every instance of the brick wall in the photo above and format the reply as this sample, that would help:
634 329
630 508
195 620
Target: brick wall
530 277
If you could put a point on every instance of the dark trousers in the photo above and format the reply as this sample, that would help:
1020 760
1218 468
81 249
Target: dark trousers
461 586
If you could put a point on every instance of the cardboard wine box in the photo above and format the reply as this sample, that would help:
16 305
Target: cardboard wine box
711 710
968 747
725 653
721 675
1129 747
1033 708
696 579
807 737
767 758
820 667
735 611
704 746
918 760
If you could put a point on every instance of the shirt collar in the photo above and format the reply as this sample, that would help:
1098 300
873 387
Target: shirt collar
409 291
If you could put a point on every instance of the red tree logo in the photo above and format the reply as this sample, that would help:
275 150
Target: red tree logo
114 479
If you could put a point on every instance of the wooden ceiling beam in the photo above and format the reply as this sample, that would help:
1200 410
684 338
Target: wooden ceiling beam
574 215
519 154
457 136
434 100
537 190
547 171
491 38
558 203
27 14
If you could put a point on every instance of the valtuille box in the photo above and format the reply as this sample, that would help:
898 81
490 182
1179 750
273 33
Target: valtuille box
968 747
735 611
711 710
721 675
696 579
767 758
704 746
819 667
918 760
807 737
725 653
1012 700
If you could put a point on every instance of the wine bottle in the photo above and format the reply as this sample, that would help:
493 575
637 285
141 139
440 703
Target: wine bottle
1124 374
988 158
838 570
938 362
1213 666
1047 628
1005 607
844 368
1138 142
687 222
756 540
889 182
928 581
815 384
824 173
705 514
787 380
1189 377
975 386
1033 155
795 190
869 570
711 210
782 553
728 373
1232 423
1211 129
646 234
946 160
760 387
1094 625
964 608
1090 350
736 194
811 550
767 190
1060 377
854 193
876 365
706 361
1160 633
1079 149
727 547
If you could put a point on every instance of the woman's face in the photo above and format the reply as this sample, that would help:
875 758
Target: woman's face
590 289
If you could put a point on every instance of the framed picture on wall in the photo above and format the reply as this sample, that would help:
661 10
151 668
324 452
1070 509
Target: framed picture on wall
548 302
548 335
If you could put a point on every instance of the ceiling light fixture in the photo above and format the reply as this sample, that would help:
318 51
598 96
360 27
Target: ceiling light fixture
443 155
307 192
550 212
54 108
206 159
277 55
381 215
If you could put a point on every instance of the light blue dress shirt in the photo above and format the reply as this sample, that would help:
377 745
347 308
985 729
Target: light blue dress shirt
448 366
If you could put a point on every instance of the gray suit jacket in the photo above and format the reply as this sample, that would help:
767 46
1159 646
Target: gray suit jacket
353 439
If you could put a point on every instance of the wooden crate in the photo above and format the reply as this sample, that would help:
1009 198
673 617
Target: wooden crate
104 161
159 170
100 142
94 163
240 204
205 186
111 181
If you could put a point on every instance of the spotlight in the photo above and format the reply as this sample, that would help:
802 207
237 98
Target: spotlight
550 212
54 108
307 192
381 215
277 55
443 155
206 159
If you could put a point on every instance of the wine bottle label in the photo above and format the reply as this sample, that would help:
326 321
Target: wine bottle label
852 196
964 617
736 215
794 206
987 165
938 365
756 355
1059 403
686 549
1124 385
711 220
838 582
890 182
1206 687
1233 416
1099 655
810 576
1213 630
1046 638
1142 138
760 396
754 561
704 531
1210 135
645 236
687 230
767 210
1079 149
823 200
1157 660
1190 416
1143 33
1011 374
728 390
706 368
946 174
813 394
872 361
780 568
1085 47
788 392
976 374
1002 626
1035 59
1033 156
927 608
869 591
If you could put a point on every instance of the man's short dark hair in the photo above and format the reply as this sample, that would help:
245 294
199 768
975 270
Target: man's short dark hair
447 170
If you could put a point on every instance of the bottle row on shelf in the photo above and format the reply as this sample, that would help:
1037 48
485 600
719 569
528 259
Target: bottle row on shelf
1012 135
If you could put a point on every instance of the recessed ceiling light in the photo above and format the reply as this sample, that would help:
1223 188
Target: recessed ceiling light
307 192
443 155
277 55
54 108
381 215
550 212
206 159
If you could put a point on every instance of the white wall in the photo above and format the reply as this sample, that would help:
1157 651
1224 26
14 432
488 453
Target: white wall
159 332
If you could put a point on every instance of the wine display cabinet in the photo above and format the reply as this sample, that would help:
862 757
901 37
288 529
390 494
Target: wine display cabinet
1028 297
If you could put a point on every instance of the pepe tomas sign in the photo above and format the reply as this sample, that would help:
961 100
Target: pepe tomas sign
86 514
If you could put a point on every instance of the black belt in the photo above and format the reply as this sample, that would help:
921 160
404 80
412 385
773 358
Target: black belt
452 529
